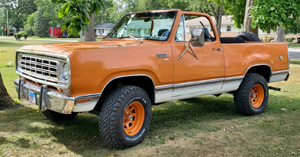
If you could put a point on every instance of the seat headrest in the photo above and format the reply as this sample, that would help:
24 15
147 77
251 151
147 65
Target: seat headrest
162 31
206 32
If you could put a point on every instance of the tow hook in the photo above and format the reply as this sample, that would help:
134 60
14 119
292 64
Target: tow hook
275 88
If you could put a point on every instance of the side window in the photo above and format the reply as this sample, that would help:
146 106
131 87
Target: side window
189 22
180 31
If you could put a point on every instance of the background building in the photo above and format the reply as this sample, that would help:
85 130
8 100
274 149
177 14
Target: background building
102 29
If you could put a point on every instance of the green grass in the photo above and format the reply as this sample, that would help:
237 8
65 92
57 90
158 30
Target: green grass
204 126
293 45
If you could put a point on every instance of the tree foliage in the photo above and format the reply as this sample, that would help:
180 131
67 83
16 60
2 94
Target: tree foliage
50 11
203 6
293 28
18 10
235 8
29 23
77 14
267 15
41 24
107 15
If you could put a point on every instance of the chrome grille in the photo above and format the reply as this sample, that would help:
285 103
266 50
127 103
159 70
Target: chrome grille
45 69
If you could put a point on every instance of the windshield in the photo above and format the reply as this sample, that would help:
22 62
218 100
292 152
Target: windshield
149 25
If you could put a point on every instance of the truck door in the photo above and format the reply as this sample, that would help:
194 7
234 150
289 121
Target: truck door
192 75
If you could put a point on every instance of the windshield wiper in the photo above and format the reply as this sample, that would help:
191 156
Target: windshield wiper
137 39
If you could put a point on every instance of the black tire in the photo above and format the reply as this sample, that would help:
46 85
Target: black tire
248 99
249 36
112 114
55 116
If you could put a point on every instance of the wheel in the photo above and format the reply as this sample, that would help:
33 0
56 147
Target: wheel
249 36
125 117
252 96
55 116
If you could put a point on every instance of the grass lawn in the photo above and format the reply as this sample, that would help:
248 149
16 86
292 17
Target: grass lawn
293 45
204 126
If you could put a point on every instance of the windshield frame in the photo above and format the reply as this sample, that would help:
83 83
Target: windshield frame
118 25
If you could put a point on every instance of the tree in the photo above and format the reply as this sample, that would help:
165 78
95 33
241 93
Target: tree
49 10
18 11
89 34
237 9
201 6
79 16
29 23
248 20
211 7
218 13
279 37
270 15
293 29
108 15
5 99
41 24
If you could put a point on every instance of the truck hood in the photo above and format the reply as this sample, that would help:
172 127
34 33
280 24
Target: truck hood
68 48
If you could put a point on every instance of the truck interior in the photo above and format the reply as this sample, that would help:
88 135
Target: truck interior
189 22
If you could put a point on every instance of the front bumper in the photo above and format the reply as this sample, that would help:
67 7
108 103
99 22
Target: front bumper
55 101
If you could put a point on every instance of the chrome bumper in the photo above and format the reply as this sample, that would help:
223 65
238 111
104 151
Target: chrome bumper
55 101
279 76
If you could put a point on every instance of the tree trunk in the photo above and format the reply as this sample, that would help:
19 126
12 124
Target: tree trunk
279 37
218 17
5 99
219 21
248 19
90 34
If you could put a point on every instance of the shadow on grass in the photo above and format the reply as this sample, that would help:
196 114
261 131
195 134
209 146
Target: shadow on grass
10 107
81 135
297 62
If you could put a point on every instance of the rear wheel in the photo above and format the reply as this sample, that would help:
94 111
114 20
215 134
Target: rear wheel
252 96
125 117
55 116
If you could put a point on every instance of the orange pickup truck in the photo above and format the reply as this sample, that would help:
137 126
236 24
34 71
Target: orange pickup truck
148 58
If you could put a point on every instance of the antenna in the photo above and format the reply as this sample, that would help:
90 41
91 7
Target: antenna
202 24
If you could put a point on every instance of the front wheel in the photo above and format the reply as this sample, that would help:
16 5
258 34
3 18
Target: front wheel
125 117
252 96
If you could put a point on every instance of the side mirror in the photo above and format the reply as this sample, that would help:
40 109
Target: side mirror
197 40
198 37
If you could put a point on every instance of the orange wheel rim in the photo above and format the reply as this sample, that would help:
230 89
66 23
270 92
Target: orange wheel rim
133 118
257 96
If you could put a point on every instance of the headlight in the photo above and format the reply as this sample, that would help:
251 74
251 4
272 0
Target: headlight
65 72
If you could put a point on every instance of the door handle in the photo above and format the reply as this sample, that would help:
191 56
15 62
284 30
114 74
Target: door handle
218 49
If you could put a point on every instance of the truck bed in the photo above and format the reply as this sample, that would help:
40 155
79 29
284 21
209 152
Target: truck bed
241 56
